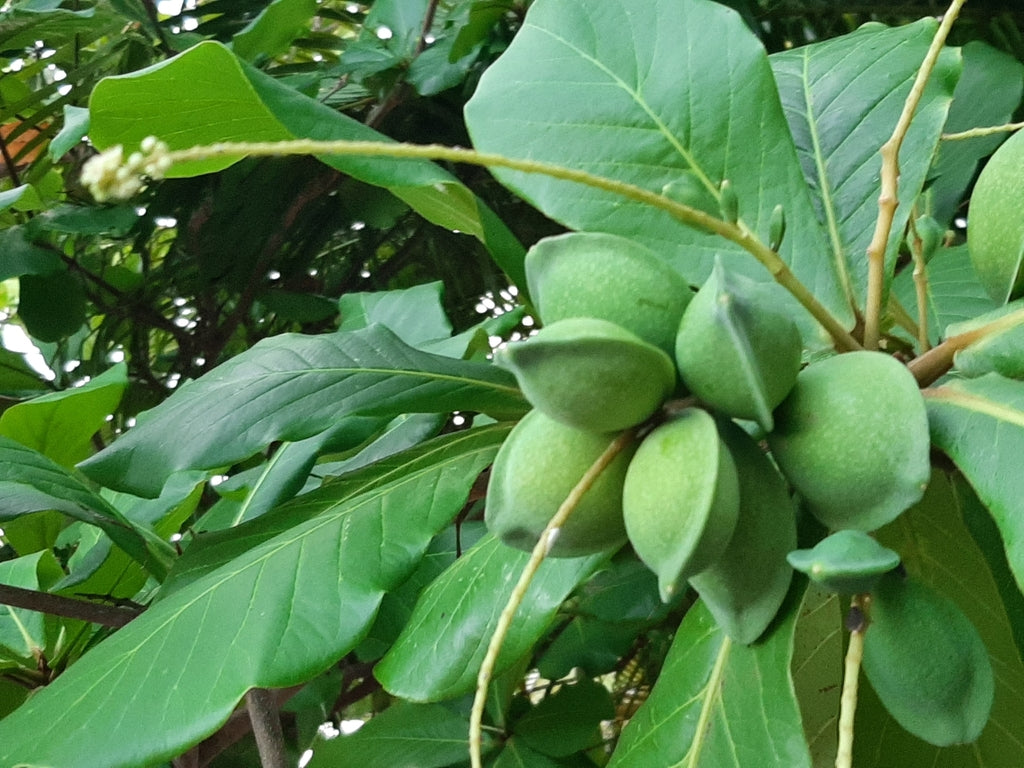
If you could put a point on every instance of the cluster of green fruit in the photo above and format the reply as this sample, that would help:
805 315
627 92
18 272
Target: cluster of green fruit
627 345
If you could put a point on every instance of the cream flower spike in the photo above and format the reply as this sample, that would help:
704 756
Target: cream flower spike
109 176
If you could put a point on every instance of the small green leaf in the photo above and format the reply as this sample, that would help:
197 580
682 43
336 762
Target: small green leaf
1001 351
52 307
274 28
414 314
568 720
30 482
23 632
402 736
60 425
953 294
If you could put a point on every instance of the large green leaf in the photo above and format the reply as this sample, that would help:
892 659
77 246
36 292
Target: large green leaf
440 650
936 548
60 425
843 97
719 704
402 736
979 424
645 91
217 548
30 482
207 95
273 617
291 387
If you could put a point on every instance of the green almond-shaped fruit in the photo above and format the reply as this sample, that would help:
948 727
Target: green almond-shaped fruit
852 438
680 500
735 349
995 222
847 562
590 374
593 274
537 466
927 663
746 585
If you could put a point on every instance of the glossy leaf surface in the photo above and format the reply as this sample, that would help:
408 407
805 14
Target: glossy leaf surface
300 601
720 704
842 98
291 387
602 89
438 654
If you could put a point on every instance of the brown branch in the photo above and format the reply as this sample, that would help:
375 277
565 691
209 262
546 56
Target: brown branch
939 359
69 608
266 727
12 167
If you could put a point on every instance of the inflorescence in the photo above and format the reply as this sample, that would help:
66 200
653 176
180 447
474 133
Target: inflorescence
109 176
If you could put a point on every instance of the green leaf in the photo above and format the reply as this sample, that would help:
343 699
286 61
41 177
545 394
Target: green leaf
273 617
987 94
596 647
30 482
52 307
76 126
954 294
568 720
291 387
18 378
1001 351
842 98
13 196
402 736
517 755
20 27
19 256
229 101
817 669
414 314
979 424
610 91
937 550
274 28
440 650
720 704
60 425
23 632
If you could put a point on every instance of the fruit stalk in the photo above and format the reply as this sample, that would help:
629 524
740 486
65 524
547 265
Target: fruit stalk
888 198
540 551
737 233
851 677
